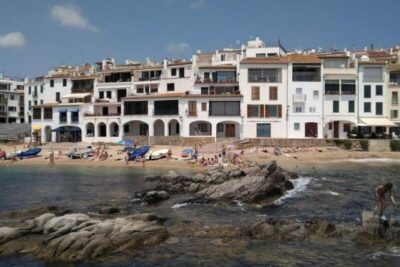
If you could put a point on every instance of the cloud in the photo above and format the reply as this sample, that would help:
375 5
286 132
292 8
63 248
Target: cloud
178 48
197 4
12 39
71 16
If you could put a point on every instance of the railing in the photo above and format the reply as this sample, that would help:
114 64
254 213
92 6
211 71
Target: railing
78 90
352 92
3 113
3 100
141 79
101 115
331 92
209 80
299 98
395 102
301 77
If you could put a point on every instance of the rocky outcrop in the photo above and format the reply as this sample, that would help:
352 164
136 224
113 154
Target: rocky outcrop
253 184
74 237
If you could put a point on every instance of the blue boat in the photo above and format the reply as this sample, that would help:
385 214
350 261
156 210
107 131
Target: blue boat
31 152
139 152
129 149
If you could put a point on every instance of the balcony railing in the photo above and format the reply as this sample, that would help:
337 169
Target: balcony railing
101 115
3 113
79 90
210 80
352 92
332 92
3 100
299 98
395 102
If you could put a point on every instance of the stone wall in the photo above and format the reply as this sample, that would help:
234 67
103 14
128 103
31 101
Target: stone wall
288 142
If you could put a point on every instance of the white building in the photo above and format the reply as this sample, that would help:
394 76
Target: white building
11 100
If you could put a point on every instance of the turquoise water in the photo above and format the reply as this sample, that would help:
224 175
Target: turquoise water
337 191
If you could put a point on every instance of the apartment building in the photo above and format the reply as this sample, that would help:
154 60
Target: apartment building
257 91
11 100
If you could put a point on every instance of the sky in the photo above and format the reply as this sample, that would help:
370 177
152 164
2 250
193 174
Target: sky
38 35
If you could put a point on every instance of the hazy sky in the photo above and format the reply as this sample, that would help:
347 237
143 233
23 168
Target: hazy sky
38 35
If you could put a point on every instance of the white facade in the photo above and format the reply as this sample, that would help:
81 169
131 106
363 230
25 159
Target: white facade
11 100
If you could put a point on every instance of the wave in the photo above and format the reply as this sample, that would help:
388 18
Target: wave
333 193
300 185
391 252
369 160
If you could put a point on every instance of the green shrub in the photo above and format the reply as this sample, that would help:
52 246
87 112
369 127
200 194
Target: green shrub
364 144
395 145
338 142
348 144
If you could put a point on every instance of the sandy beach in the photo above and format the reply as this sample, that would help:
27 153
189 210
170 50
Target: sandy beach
288 158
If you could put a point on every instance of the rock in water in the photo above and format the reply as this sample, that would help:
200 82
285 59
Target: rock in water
74 237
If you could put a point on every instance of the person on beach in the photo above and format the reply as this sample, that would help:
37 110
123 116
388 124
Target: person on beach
223 151
169 153
127 156
380 194
220 162
51 158
143 160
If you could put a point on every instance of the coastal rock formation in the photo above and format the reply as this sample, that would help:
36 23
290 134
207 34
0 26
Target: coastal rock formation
74 237
253 184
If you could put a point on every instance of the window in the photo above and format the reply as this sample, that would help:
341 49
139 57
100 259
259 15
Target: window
335 63
224 76
63 116
166 107
101 94
297 126
299 91
224 108
109 94
41 89
346 127
312 109
367 107
35 102
58 97
306 73
192 108
41 101
351 106
255 93
64 82
298 109
204 106
37 113
332 87
35 91
135 108
126 128
12 109
11 97
274 111
48 113
379 108
395 98
29 90
170 87
263 130
264 75
30 105
181 72
204 90
273 93
75 116
373 74
367 91
261 55
394 114
348 87
143 129
206 75
51 83
173 72
335 106
315 94
379 90
220 128
253 111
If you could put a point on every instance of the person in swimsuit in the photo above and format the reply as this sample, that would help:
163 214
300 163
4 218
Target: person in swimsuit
380 195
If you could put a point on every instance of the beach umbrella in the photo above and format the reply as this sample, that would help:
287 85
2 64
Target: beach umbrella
125 142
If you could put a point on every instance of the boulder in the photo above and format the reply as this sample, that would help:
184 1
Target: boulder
109 210
152 197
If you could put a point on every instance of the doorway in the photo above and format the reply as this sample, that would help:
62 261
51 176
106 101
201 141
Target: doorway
336 129
230 130
311 129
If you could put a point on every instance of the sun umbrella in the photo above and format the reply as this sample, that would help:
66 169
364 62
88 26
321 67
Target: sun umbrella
125 142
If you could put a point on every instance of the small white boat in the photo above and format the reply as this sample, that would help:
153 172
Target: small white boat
159 154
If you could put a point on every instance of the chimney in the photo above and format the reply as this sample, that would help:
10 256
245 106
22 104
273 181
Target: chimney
165 62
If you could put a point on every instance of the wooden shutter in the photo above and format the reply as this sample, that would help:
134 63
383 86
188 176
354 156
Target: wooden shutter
249 111
273 93
346 127
266 111
330 126
279 111
262 111
192 108
255 93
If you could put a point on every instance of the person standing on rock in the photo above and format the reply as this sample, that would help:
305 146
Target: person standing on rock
223 152
380 195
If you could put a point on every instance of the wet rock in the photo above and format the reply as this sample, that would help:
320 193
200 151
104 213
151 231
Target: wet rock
152 196
109 210
74 237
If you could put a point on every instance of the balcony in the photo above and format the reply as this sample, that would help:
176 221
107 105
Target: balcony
97 114
395 102
332 92
3 113
299 98
348 92
80 90
21 114
3 100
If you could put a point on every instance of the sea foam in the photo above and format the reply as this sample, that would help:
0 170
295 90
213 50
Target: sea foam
300 185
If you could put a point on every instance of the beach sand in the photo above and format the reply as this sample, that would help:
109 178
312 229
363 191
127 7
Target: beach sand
288 158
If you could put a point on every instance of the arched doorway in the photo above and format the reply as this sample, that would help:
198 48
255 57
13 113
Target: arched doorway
114 129
159 128
200 128
173 128
311 129
228 129
47 133
90 130
68 134
102 129
136 128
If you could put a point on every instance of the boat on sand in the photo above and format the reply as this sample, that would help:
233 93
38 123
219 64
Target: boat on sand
159 154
